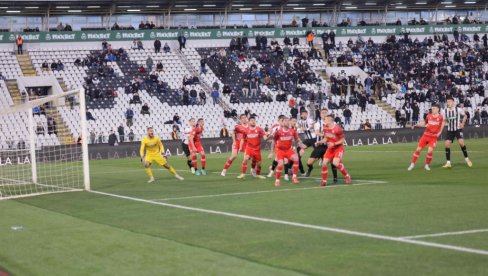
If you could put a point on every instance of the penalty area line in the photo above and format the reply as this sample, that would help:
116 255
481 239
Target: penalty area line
302 225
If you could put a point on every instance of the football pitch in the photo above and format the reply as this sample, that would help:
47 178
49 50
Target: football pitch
389 222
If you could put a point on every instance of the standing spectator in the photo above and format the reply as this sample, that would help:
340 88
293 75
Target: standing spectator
100 137
304 22
182 41
93 137
332 37
129 116
203 64
131 135
121 132
175 133
112 138
157 46
203 97
347 115
367 125
378 125
20 44
310 37
254 85
215 96
140 46
149 63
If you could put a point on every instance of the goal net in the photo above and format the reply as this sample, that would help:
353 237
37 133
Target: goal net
39 152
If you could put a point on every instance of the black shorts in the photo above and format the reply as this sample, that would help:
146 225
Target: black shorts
186 149
309 142
457 134
318 152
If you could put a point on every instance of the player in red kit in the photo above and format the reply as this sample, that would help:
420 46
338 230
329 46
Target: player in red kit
196 147
283 140
334 138
238 144
253 137
434 124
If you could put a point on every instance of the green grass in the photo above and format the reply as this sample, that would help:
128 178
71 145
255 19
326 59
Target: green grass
85 234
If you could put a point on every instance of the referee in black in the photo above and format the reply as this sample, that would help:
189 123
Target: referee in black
318 151
455 119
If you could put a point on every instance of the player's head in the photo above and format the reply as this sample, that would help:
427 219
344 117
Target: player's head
435 109
323 113
252 121
200 122
243 119
450 102
329 120
150 132
304 115
285 122
293 122
280 119
192 122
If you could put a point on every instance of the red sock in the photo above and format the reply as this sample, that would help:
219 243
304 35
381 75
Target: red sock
227 164
278 172
325 171
244 167
258 170
295 168
429 158
342 169
415 156
194 161
204 161
253 164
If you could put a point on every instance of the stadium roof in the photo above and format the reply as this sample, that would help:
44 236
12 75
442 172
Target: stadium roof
28 7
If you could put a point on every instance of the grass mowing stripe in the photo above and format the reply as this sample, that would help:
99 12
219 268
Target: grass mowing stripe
474 231
302 225
263 191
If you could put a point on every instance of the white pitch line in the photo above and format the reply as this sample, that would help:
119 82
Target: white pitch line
302 225
264 191
447 234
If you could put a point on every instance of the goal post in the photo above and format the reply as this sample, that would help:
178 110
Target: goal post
44 146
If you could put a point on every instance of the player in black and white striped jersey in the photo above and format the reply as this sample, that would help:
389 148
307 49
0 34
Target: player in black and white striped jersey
184 143
319 150
305 127
455 119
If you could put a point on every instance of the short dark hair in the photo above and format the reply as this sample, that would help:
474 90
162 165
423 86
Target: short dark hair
324 109
304 111
281 117
242 115
252 118
450 98
436 105
199 120
330 116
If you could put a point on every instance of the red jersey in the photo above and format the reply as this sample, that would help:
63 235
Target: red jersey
333 134
240 131
253 138
196 133
433 125
284 138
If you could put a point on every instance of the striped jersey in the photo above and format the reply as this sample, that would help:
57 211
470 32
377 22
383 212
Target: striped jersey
184 138
319 128
453 116
306 127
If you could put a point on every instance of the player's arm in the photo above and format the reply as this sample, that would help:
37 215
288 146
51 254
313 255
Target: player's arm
243 139
442 128
421 124
141 150
465 119
161 148
191 138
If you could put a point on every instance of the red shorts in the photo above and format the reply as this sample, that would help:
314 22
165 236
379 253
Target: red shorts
254 154
336 152
427 140
198 147
285 154
237 144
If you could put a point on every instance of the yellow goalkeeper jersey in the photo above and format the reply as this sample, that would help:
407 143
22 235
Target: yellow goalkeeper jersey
153 146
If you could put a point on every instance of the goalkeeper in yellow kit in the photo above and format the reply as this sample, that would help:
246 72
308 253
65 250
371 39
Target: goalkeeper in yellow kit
152 150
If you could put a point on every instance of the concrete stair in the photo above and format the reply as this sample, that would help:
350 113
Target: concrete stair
26 65
63 132
13 88
386 107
